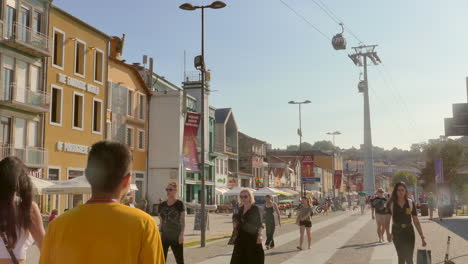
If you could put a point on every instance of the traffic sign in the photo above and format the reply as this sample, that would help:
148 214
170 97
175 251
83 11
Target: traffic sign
310 179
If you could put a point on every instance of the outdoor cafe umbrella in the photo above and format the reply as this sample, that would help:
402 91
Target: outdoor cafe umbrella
78 185
236 191
270 191
39 184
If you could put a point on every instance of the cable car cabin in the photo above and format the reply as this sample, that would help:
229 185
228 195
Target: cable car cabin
339 42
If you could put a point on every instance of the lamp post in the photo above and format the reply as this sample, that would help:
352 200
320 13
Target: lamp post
202 68
299 132
333 134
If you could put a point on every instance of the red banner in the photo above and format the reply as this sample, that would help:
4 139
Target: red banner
192 123
338 177
308 167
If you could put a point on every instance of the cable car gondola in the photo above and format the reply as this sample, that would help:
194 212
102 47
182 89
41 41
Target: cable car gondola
338 41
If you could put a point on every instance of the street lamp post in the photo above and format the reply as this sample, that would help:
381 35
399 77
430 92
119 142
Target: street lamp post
202 68
299 132
333 134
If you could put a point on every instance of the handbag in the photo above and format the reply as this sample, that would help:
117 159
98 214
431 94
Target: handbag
9 249
424 256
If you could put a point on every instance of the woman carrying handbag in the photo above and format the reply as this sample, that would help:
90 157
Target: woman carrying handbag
272 218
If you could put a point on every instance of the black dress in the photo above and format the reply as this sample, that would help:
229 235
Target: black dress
403 231
246 249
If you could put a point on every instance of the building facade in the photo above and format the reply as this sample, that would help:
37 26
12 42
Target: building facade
227 143
76 84
24 47
127 113
252 153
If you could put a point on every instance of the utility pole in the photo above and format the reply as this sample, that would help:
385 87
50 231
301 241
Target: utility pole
360 58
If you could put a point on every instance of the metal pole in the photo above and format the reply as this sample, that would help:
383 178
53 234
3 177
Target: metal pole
202 167
369 180
300 146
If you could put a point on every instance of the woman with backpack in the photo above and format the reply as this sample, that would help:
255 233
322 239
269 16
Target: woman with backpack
403 214
379 213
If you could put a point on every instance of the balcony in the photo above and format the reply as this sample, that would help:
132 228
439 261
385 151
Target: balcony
32 157
25 39
25 99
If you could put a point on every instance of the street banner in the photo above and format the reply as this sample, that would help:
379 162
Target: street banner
439 171
192 123
310 180
307 167
338 177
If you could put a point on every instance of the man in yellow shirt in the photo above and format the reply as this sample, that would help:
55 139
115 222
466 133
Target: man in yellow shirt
103 230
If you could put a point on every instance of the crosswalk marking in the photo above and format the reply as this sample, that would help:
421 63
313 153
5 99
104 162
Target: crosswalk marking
322 251
282 239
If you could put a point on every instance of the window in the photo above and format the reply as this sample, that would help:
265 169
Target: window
226 167
78 110
130 103
37 22
35 79
97 116
24 21
54 174
33 134
20 133
141 139
5 130
217 166
98 65
141 106
10 20
56 106
139 182
8 77
58 55
129 136
80 52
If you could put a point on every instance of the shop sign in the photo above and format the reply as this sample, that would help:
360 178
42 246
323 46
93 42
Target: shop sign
62 78
308 167
69 147
37 173
190 153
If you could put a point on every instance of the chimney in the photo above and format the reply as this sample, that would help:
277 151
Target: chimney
116 47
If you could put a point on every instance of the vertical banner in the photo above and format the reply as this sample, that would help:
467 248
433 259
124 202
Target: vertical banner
439 171
338 177
307 167
192 123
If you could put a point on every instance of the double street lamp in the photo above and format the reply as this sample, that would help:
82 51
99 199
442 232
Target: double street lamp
200 64
299 132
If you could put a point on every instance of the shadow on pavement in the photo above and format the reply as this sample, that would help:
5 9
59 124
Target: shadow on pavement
361 246
457 226
453 259
280 252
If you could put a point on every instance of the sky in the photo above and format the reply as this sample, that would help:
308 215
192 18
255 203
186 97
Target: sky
261 55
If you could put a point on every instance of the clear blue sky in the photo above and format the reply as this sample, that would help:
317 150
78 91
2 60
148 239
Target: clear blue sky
261 56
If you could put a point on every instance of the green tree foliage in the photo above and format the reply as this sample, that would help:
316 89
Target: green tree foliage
324 145
404 176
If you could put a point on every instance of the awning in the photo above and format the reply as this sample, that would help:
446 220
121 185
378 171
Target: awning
39 184
221 190
236 191
287 190
270 191
78 185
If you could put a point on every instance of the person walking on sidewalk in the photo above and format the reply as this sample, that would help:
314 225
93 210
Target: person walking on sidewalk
362 202
430 205
403 210
270 220
172 216
103 230
248 222
379 213
20 219
304 221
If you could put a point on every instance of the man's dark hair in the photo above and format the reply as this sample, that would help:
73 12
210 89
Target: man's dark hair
108 164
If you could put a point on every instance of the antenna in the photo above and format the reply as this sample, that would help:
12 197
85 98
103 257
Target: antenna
145 60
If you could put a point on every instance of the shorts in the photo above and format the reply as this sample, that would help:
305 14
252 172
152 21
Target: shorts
380 217
305 223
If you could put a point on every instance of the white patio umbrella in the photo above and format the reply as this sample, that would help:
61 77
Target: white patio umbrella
78 185
236 191
221 190
287 190
270 191
39 184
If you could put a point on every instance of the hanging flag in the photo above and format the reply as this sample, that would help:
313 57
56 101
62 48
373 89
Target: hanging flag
192 123
338 177
439 171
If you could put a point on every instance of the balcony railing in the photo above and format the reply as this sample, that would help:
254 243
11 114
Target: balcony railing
25 38
31 156
25 99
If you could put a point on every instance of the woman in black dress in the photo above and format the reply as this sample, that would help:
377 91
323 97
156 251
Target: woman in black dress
403 213
270 209
248 222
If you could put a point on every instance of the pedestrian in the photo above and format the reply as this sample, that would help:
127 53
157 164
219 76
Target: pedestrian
248 222
270 220
362 202
53 214
20 218
103 230
430 205
304 221
379 213
234 205
131 202
403 213
172 216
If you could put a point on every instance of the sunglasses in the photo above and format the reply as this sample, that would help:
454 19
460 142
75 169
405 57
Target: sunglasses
169 190
244 196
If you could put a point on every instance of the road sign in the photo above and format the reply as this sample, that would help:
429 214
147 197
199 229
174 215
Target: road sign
453 129
310 179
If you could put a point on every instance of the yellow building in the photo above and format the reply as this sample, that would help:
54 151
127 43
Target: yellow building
128 102
76 84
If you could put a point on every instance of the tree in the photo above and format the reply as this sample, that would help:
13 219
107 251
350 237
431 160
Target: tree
324 145
404 176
